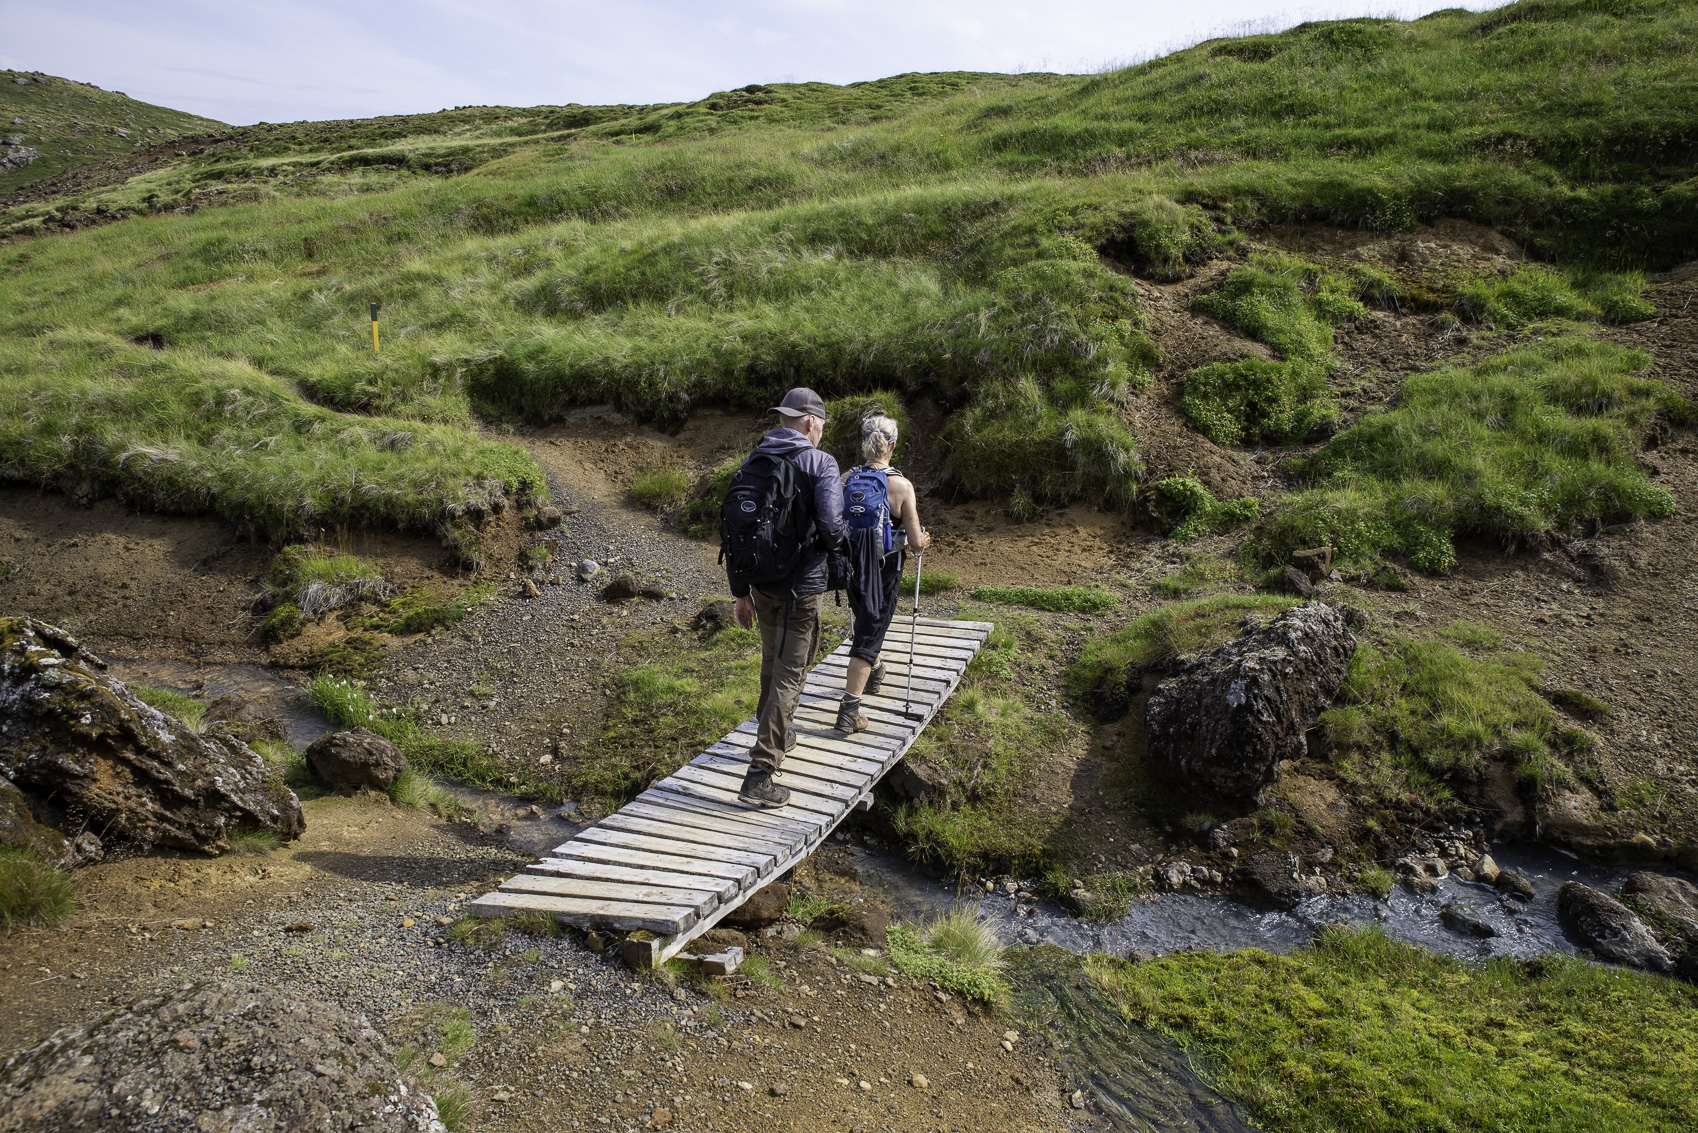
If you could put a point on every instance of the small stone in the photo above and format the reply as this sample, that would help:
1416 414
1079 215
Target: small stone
1516 884
556 985
745 1085
548 517
302 926
1486 870
920 1081
588 569
529 589
407 922
660 1118
1011 1036
1008 1046
798 1021
864 1084
437 1060
594 942
780 1090
1077 1101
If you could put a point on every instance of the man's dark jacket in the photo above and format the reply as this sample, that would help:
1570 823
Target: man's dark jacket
819 472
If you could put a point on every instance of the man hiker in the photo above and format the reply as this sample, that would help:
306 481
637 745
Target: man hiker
881 518
782 517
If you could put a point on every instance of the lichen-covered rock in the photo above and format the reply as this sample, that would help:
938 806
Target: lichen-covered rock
1669 908
214 1057
1610 929
90 756
247 720
356 758
1224 722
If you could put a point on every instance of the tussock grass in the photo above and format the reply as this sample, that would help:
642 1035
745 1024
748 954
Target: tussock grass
185 708
1194 511
1056 599
959 952
31 891
1360 1032
1525 444
454 1105
415 789
255 840
659 488
1376 879
317 581
420 610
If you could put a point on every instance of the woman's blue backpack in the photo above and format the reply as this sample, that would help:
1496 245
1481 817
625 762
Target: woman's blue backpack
866 505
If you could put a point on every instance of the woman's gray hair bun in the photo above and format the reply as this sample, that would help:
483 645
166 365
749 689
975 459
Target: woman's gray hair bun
878 438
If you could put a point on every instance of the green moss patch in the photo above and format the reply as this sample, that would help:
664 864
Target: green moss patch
1359 1032
1055 599
1533 441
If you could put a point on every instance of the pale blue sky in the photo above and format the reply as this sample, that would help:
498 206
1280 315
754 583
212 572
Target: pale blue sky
288 59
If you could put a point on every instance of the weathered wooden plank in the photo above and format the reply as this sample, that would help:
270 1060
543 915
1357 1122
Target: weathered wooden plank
958 623
835 742
596 853
836 756
795 779
697 900
793 769
831 675
721 887
761 862
770 843
957 630
897 663
732 825
801 800
682 795
590 913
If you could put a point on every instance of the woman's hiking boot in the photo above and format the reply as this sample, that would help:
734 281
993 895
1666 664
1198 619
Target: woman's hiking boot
875 680
760 790
849 717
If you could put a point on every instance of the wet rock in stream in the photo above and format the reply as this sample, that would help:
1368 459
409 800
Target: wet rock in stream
1610 929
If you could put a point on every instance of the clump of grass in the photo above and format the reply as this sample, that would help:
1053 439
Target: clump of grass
756 969
415 789
1482 637
32 891
534 923
806 907
352 656
185 708
481 932
1102 670
454 1105
1536 440
1534 294
659 488
1114 893
1579 703
317 581
931 582
1376 879
958 951
1199 572
420 610
254 840
1056 599
1361 1024
1197 510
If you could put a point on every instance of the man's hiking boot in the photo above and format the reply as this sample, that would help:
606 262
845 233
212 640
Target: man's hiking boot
849 717
790 741
875 680
760 790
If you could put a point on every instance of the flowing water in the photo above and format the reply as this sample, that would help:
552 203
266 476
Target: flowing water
1136 1080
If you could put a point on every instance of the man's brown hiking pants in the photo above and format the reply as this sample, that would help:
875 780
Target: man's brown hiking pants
790 636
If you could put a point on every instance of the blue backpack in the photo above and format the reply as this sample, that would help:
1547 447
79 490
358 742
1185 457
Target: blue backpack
866 505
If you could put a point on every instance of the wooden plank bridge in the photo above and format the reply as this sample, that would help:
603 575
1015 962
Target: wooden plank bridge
685 852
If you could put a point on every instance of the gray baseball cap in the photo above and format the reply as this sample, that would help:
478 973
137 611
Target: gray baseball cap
800 402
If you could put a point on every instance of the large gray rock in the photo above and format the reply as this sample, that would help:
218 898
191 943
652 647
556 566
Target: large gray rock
215 1057
90 756
1669 908
1610 929
1224 722
356 758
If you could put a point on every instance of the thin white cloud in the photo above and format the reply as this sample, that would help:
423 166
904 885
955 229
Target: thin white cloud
292 59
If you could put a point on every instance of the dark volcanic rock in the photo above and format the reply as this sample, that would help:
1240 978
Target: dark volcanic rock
1271 877
1315 563
18 827
1669 908
90 756
245 719
916 779
858 925
624 588
1610 929
1469 920
721 613
765 907
226 1057
355 759
1294 581
1224 723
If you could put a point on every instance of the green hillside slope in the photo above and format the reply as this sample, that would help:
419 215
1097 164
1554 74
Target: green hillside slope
67 123
940 236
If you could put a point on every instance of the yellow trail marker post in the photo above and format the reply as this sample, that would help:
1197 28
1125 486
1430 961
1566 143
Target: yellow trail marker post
374 328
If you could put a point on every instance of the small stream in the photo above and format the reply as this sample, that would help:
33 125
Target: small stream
1137 1080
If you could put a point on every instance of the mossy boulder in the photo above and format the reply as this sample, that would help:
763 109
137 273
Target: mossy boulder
92 757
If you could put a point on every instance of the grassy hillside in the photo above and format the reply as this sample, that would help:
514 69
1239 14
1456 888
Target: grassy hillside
937 236
67 123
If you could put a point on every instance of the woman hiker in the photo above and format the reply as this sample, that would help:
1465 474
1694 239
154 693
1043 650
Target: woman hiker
881 516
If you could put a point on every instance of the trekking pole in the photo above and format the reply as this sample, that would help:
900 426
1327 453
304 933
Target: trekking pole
913 631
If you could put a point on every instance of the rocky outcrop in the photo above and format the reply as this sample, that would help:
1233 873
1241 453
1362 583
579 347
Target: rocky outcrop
918 780
93 759
1669 908
1226 720
224 1057
766 906
355 759
860 925
19 828
1610 929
